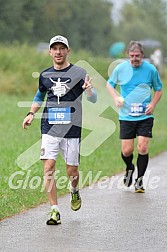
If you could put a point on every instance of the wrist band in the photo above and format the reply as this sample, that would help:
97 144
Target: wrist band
30 113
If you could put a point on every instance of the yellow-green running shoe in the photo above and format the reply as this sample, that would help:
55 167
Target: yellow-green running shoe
75 201
54 218
139 185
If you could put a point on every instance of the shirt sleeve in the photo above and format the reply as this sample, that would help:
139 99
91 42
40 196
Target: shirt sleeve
157 83
113 79
93 97
42 88
39 97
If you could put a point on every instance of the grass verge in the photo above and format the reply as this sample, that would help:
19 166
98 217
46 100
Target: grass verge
27 185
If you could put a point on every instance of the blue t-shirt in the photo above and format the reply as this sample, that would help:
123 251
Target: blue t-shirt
136 85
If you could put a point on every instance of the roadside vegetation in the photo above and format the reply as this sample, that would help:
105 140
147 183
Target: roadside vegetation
20 188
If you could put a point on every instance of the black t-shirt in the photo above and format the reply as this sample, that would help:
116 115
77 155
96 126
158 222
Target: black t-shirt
62 115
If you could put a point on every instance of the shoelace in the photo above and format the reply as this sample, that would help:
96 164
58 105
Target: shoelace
75 196
52 211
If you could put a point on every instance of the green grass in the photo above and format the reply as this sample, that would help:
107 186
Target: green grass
15 140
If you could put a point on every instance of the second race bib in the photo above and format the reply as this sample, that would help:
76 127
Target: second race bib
137 109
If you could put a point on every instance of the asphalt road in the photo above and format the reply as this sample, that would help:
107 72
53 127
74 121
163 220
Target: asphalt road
112 218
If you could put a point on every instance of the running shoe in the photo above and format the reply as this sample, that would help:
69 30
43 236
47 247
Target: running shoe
139 185
128 177
75 201
54 218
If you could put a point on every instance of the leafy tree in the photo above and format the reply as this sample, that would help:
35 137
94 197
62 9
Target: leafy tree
86 23
143 19
16 20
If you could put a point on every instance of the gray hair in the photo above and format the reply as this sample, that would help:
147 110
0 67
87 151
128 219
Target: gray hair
133 45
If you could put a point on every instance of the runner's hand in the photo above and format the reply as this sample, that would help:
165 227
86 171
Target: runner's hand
87 83
119 101
149 109
27 121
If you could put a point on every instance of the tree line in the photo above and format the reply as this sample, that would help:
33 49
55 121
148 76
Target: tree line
88 24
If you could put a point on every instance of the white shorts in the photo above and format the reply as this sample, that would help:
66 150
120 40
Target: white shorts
69 147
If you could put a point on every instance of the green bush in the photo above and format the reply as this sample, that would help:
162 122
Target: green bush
17 64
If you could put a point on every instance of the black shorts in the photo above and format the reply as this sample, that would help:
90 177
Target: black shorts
131 129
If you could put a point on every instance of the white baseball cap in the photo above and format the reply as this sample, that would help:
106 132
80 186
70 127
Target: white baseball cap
58 39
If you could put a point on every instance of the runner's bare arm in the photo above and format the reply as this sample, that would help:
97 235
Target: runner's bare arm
153 103
37 102
30 116
117 99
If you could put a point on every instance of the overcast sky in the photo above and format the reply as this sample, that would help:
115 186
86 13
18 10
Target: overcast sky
117 4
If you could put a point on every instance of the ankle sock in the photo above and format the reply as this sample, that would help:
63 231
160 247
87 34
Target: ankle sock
55 207
73 189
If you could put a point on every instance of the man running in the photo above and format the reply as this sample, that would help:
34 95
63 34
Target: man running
136 78
61 122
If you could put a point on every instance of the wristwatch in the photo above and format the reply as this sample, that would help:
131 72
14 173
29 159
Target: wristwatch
30 113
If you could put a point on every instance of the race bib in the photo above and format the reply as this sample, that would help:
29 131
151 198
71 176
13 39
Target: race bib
59 115
137 109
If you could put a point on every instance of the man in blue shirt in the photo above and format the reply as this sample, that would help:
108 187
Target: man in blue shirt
136 78
61 123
